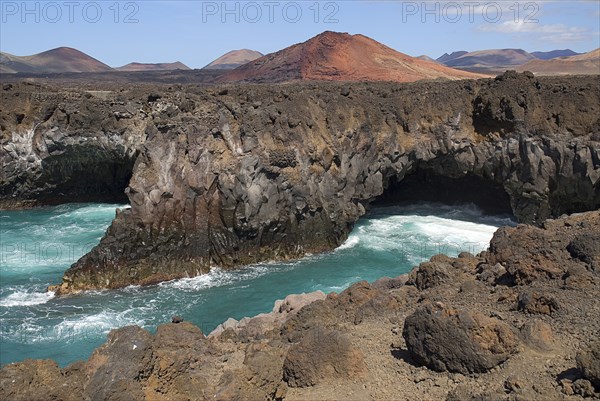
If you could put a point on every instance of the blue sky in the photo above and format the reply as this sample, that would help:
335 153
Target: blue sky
196 32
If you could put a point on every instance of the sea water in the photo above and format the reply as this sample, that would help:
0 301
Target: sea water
38 245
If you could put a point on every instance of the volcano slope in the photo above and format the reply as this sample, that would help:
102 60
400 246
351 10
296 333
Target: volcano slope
237 174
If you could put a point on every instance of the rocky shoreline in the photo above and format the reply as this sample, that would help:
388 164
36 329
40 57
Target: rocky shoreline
238 174
517 322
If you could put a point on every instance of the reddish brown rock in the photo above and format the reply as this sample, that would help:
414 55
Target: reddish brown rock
322 354
561 246
537 335
536 303
457 340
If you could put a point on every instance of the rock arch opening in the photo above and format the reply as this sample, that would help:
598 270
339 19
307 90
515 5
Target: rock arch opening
426 185
87 175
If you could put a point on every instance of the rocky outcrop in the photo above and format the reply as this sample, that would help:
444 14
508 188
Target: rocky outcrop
524 254
368 342
66 146
322 354
263 323
239 174
458 340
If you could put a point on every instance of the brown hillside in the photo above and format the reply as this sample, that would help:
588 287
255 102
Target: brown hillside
63 59
333 56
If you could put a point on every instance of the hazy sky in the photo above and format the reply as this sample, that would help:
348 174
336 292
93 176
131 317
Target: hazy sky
196 32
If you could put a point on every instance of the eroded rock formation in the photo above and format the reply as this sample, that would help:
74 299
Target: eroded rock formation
239 174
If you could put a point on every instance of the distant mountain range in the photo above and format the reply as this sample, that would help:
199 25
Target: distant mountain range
554 54
333 56
328 56
499 60
451 56
234 59
586 63
487 61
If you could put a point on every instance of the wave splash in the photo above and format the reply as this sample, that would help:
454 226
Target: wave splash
26 298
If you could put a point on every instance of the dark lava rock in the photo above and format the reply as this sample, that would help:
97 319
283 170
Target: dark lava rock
430 274
457 340
536 303
588 361
321 354
586 248
176 319
546 253
118 365
214 181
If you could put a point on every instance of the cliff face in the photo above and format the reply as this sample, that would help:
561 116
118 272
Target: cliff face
240 174
63 146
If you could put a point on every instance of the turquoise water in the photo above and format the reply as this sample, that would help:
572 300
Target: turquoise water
37 246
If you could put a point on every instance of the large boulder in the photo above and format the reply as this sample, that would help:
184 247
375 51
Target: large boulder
588 361
536 303
322 354
457 340
433 273
537 335
117 368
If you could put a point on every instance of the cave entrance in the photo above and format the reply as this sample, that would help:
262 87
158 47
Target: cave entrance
424 185
80 175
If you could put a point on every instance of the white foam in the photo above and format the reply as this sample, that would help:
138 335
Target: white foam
351 242
218 278
24 298
424 233
96 324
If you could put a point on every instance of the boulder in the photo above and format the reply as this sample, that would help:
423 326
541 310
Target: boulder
586 247
116 368
457 340
259 325
538 335
322 354
535 303
588 361
430 274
